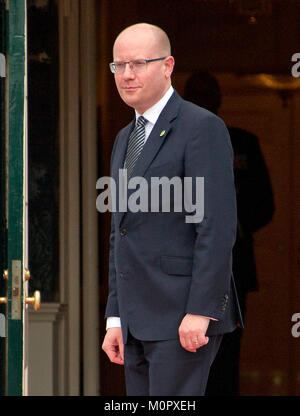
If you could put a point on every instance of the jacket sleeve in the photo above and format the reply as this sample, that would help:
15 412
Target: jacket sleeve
209 155
112 308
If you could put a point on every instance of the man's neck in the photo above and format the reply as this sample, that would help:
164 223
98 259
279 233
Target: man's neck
159 105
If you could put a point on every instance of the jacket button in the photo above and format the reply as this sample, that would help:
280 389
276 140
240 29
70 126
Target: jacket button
123 232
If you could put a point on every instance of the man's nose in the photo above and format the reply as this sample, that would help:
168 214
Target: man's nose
128 72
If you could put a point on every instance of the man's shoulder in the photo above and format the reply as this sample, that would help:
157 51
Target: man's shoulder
127 128
195 114
186 110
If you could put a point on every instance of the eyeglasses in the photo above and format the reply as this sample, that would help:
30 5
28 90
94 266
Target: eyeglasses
138 65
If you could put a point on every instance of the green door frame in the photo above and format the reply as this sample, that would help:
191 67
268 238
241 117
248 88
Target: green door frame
3 254
16 194
13 156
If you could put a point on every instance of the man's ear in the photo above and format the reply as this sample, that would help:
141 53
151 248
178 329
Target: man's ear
169 66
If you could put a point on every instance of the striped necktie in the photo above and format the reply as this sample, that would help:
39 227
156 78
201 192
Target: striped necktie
135 145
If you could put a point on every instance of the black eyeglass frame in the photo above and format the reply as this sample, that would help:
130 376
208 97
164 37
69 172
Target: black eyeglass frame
113 66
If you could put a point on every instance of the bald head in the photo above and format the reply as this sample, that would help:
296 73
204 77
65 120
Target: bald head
142 86
154 38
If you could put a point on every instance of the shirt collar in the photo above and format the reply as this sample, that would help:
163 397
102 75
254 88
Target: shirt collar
153 112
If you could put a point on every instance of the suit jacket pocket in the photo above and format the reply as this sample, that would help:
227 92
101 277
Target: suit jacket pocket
176 265
167 169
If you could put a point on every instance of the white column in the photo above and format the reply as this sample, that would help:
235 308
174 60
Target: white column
91 340
69 213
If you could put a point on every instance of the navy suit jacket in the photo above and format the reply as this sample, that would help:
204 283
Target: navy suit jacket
161 267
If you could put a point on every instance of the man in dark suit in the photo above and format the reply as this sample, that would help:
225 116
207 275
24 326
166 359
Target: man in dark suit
255 209
171 290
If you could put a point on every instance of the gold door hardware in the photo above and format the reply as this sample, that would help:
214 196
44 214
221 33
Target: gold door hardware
27 274
5 276
35 300
16 294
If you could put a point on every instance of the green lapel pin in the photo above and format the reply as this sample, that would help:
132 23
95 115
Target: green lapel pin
162 133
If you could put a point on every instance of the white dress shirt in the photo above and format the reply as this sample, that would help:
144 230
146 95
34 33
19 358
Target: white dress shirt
152 114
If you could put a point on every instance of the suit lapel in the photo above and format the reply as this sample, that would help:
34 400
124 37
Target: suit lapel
158 135
118 162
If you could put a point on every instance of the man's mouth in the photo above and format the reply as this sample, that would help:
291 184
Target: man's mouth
127 87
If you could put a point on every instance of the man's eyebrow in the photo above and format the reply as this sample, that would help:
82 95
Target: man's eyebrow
135 59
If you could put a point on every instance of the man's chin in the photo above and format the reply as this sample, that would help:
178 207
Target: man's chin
130 100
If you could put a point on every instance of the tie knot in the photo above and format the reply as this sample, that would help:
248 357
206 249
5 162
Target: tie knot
141 121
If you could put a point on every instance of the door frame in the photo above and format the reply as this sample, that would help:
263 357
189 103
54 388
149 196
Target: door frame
16 199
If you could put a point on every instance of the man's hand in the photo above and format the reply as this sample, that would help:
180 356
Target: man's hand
113 345
192 332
